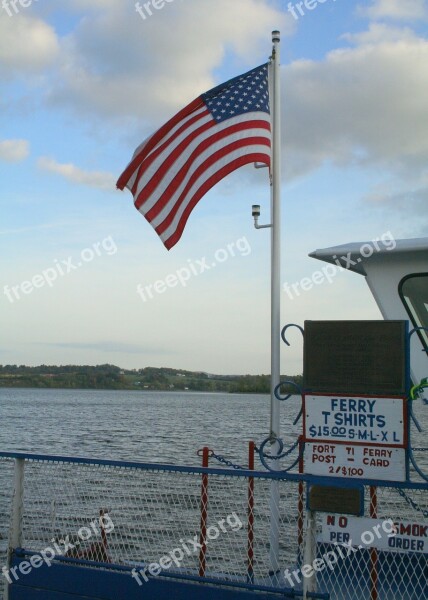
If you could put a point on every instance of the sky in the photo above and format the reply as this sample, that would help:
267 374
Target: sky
86 280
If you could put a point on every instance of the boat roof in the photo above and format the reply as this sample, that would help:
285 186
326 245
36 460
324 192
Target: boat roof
354 252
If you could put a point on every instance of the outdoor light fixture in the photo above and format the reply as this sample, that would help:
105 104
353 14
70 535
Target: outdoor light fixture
256 215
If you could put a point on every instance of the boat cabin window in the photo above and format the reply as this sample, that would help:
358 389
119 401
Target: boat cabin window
414 294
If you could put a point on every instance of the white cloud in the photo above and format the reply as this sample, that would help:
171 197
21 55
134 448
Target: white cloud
380 33
366 105
96 179
14 150
162 62
27 44
88 5
396 9
409 197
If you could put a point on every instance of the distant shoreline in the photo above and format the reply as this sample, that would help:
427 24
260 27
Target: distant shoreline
148 379
134 391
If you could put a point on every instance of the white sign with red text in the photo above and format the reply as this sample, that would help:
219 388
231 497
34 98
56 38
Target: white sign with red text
392 536
363 462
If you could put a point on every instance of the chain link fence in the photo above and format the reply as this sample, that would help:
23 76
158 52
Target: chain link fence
214 523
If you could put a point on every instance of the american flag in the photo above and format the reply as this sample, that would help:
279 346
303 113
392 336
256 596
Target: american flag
220 131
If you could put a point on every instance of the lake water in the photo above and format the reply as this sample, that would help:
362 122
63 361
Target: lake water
139 426
149 427
164 427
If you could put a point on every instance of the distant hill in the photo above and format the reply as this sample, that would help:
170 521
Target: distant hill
110 377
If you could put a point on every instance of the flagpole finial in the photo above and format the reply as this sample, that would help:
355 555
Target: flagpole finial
276 36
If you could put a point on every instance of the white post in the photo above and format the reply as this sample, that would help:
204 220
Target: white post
15 534
275 291
309 554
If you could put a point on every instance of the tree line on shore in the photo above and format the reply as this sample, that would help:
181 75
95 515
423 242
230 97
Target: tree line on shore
149 378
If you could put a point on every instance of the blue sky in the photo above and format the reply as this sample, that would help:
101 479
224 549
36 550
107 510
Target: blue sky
84 84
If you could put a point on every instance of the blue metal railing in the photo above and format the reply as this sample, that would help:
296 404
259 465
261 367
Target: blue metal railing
293 477
153 504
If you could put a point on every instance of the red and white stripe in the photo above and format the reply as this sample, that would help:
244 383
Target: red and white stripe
173 169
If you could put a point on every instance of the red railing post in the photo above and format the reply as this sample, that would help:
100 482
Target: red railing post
250 550
204 514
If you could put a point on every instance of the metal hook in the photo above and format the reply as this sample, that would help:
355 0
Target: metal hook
284 329
278 388
418 329
265 457
283 398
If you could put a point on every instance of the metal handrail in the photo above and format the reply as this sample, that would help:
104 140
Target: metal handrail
312 479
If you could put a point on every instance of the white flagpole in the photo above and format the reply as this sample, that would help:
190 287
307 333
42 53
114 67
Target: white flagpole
275 291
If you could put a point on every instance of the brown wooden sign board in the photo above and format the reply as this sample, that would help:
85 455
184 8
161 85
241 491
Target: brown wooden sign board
329 499
356 357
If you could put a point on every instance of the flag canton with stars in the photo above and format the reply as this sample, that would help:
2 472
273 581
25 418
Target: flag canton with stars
241 95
